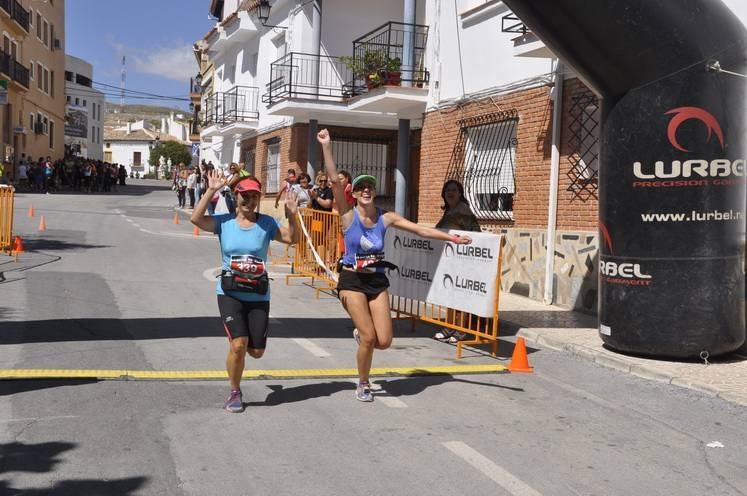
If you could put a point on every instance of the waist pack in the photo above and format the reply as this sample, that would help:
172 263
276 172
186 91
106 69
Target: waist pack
246 274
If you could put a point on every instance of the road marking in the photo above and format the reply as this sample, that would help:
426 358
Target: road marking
179 235
211 274
498 474
128 220
38 419
312 348
248 374
391 401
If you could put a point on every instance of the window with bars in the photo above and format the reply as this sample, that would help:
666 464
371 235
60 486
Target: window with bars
584 127
365 156
485 157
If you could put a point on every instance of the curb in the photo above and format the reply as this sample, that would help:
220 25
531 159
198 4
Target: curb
623 365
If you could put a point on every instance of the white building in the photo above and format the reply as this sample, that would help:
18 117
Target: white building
131 145
83 110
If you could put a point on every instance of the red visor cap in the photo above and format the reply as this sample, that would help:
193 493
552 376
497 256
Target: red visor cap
248 184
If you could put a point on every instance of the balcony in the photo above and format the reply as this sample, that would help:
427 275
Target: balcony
377 83
527 44
230 111
13 10
233 33
15 71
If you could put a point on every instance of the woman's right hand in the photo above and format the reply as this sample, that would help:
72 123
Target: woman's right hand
216 180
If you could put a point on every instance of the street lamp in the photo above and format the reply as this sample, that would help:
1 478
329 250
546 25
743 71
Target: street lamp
198 83
263 12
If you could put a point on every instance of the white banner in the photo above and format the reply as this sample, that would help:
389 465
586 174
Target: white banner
462 277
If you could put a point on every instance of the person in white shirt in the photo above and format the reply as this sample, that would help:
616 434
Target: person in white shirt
191 183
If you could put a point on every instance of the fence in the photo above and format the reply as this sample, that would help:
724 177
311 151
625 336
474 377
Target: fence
7 198
320 248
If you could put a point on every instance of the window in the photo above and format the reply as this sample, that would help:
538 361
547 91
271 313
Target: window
31 18
51 134
93 107
46 80
584 126
14 50
45 125
51 83
31 123
39 76
84 102
6 43
31 70
39 25
489 144
136 158
68 76
273 160
77 101
67 98
45 34
108 145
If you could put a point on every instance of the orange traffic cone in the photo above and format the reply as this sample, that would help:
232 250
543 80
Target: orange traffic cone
31 210
519 361
176 218
195 231
42 224
18 245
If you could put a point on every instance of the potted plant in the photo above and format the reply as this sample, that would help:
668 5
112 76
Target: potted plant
368 67
392 75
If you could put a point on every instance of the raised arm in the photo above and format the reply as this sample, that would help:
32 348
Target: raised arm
396 220
331 168
289 235
216 182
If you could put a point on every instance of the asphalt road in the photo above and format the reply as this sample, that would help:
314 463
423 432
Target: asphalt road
114 284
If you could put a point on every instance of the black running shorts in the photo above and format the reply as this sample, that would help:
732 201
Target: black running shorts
369 283
245 319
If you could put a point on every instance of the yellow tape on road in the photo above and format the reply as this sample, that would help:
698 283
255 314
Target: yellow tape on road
178 375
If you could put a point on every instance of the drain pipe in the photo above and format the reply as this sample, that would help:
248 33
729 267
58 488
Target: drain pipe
552 208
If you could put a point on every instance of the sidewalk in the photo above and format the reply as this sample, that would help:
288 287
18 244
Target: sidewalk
575 333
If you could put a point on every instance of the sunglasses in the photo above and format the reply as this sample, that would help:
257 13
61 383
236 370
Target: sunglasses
362 186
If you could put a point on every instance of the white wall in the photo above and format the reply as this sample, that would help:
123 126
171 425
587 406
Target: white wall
92 144
123 151
469 53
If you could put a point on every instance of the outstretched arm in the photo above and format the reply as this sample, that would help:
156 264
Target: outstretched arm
331 168
216 182
289 235
396 220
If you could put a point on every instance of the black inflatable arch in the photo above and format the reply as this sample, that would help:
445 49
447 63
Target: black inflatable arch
672 165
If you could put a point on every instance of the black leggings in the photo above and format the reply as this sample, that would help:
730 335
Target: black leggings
245 319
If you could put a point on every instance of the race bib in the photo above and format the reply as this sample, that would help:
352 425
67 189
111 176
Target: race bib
247 266
368 259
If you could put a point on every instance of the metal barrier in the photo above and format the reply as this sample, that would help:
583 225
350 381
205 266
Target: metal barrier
7 198
316 256
483 330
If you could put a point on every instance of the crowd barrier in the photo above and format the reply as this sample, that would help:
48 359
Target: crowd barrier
7 199
316 257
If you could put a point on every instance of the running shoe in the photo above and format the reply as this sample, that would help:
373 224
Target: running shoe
233 403
363 392
357 335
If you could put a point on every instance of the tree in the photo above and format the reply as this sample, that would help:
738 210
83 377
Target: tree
177 152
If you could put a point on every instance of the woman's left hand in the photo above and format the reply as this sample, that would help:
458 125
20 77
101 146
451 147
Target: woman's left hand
291 202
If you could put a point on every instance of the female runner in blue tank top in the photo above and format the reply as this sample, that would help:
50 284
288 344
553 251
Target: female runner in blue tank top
363 284
243 288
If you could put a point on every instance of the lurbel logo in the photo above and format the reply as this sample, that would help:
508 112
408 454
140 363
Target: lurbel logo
624 273
463 283
452 250
682 114
416 274
415 243
693 172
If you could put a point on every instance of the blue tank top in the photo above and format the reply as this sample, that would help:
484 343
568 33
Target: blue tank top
364 246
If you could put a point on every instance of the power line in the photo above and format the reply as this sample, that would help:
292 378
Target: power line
129 92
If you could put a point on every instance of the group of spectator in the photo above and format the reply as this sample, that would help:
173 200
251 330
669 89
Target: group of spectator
72 174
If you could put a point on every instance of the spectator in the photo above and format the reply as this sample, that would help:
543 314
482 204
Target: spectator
191 184
321 194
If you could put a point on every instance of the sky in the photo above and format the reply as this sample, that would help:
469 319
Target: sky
155 36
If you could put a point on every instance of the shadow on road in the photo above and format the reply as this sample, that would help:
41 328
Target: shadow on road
407 386
8 387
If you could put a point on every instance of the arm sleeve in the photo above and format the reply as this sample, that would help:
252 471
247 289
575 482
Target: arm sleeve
219 220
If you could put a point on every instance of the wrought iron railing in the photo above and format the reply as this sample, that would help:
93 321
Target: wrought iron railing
382 56
584 127
306 75
512 24
239 104
16 12
14 69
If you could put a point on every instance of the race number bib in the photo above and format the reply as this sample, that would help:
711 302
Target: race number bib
247 266
367 260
